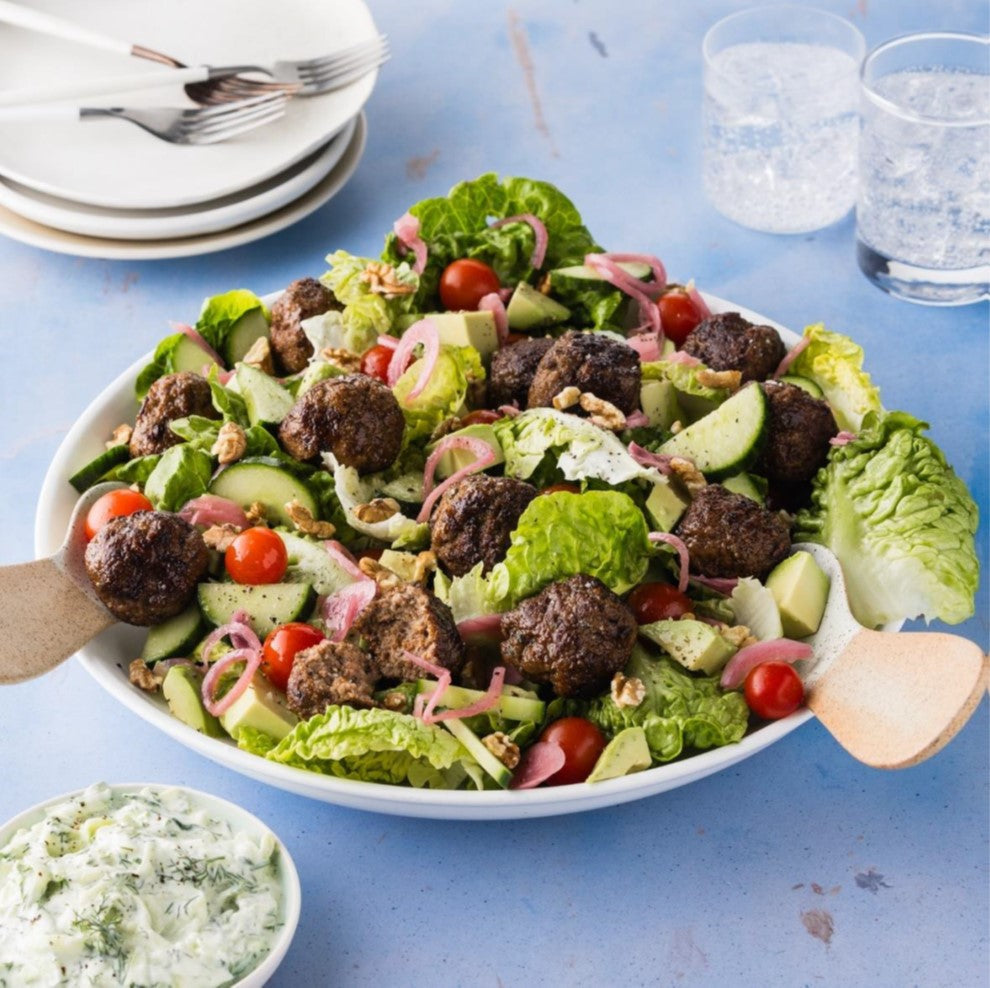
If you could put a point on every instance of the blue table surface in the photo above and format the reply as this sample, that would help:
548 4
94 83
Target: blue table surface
797 867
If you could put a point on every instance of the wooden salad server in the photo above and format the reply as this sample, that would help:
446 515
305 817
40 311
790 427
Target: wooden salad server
48 608
891 699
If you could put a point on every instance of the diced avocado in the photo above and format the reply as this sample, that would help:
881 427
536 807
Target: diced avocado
244 334
800 587
190 356
531 309
259 707
658 399
805 383
454 459
309 562
318 371
467 328
175 637
182 689
87 475
479 752
743 483
509 705
665 505
403 564
267 402
626 753
696 645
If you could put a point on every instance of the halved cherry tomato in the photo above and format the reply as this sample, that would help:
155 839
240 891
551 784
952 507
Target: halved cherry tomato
679 315
480 416
375 362
114 504
466 282
562 486
581 741
257 555
651 602
773 690
280 648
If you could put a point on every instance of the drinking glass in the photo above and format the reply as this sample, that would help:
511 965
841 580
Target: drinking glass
781 117
923 211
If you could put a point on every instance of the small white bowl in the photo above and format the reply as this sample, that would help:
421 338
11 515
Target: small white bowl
243 822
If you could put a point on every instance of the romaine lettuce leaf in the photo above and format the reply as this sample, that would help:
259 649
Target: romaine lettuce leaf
221 313
443 396
901 522
181 473
162 363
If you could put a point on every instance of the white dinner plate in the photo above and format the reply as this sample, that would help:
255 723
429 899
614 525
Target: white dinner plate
117 165
184 221
15 226
107 657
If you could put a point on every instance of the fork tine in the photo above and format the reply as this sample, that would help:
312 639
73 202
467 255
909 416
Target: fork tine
241 106
216 133
338 78
335 57
319 67
217 123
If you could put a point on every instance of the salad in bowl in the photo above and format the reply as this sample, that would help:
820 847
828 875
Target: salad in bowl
501 510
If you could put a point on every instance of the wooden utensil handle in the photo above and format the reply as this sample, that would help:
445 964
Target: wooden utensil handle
44 618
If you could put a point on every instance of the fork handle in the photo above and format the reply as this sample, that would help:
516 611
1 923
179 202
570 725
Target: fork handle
48 112
56 27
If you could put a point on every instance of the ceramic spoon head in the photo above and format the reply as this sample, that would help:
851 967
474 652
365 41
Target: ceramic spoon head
890 699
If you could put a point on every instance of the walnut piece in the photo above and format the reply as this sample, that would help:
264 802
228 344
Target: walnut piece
601 412
346 360
688 474
231 443
566 397
120 436
506 751
676 426
220 536
382 575
142 677
378 509
259 356
382 279
257 514
728 379
426 563
395 700
304 521
738 635
627 691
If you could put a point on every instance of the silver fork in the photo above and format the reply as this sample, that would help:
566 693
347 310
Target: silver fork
177 125
308 77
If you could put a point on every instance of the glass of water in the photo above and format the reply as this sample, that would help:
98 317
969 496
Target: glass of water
923 213
781 117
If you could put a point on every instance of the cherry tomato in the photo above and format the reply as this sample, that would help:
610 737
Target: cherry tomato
562 486
464 283
280 648
773 690
480 416
114 504
679 315
581 741
651 602
257 555
375 362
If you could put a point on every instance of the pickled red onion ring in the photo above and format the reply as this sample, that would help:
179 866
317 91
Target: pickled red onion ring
342 557
406 228
391 342
424 705
539 235
417 660
340 610
425 331
647 345
680 357
791 355
842 438
486 626
492 302
539 762
659 282
491 697
778 650
606 266
720 584
699 303
195 336
647 459
241 635
508 411
485 458
636 418
251 659
211 509
682 555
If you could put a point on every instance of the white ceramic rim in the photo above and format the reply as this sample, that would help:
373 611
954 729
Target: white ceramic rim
189 221
291 888
85 439
36 235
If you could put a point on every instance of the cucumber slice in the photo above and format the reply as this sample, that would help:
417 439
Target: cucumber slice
85 477
479 752
727 439
529 308
267 605
243 335
181 689
743 483
310 563
583 272
174 638
264 480
190 356
521 708
266 401
805 383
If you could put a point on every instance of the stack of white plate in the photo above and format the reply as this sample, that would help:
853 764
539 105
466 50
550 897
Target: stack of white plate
105 188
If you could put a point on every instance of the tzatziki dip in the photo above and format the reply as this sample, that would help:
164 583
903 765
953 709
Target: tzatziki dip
140 887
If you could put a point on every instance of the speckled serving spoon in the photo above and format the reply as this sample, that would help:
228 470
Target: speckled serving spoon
48 608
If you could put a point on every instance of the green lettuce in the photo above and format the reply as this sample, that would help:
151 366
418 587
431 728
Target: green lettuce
679 711
695 398
221 313
375 745
182 473
835 363
201 433
162 363
136 471
901 522
456 368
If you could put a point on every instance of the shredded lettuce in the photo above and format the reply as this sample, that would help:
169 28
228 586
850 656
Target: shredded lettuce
901 522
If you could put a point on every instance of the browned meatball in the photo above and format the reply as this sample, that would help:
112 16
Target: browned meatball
730 342
799 428
574 634
730 535
591 362
329 673
409 618
173 396
473 519
303 299
512 371
145 566
355 417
